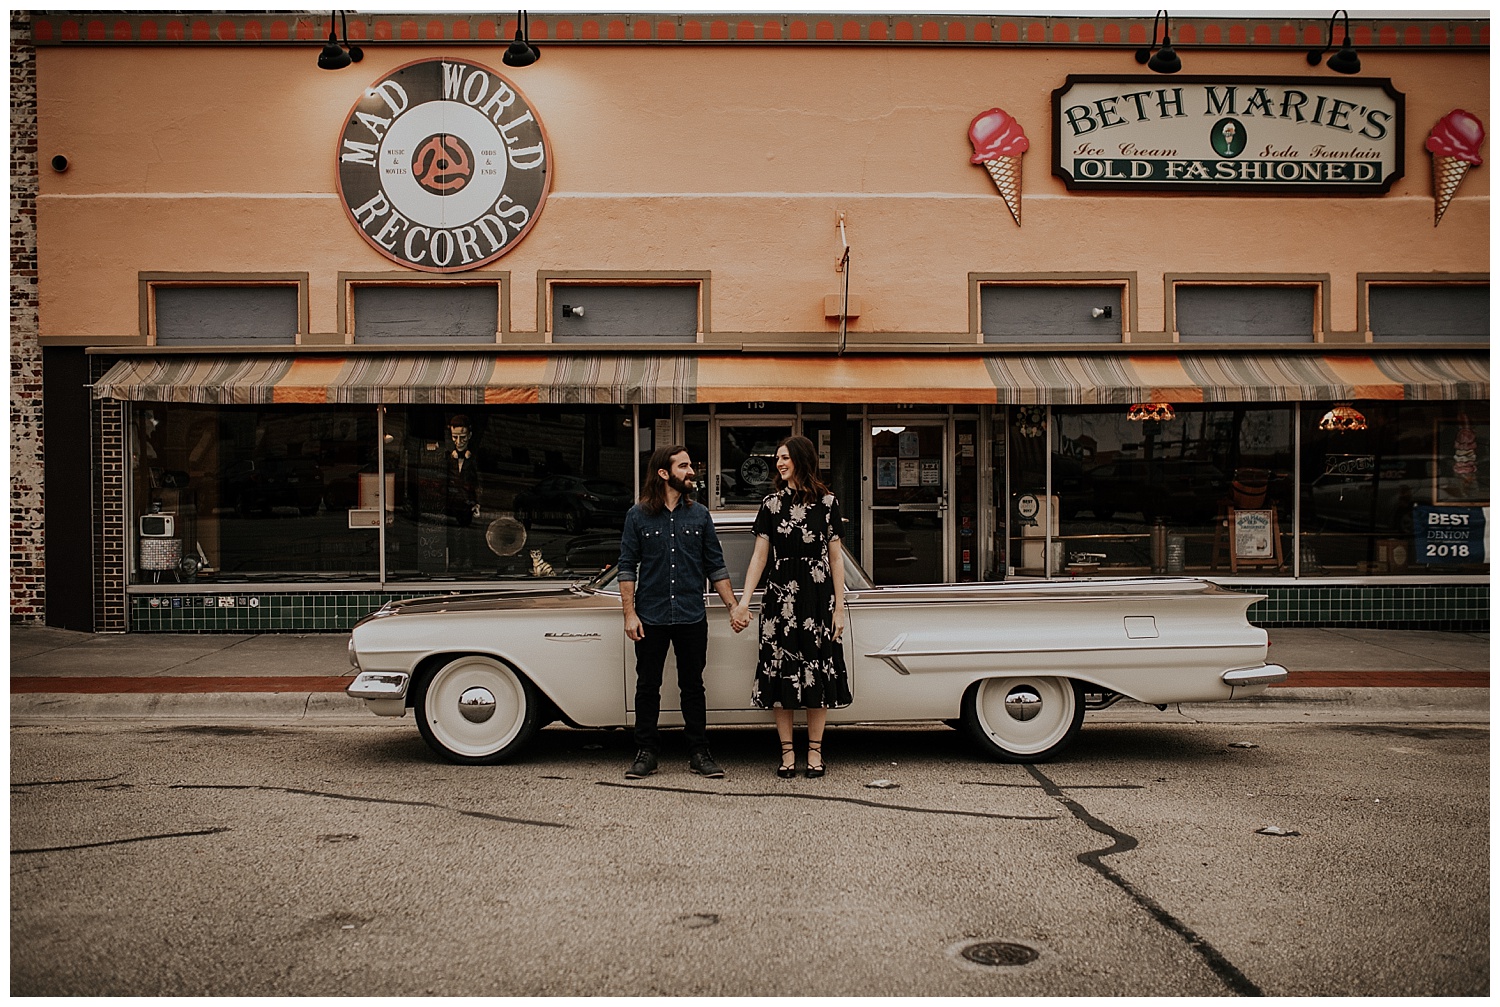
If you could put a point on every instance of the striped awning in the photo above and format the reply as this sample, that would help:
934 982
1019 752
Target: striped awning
631 378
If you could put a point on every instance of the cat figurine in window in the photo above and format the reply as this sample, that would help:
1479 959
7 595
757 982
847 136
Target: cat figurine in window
539 566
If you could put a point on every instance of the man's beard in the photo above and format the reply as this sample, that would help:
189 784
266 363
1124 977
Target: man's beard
682 486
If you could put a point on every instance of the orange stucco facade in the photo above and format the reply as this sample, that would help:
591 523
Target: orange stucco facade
162 157
734 161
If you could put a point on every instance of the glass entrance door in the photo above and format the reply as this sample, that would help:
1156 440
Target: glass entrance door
909 502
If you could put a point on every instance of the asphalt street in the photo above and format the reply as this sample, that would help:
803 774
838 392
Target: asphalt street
164 857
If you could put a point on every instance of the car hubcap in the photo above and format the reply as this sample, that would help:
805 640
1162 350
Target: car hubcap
1026 715
1022 703
477 704
474 706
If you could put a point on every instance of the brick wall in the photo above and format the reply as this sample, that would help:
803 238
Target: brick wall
107 418
28 582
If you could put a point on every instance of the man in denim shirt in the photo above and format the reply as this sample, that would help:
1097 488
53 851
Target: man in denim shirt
668 550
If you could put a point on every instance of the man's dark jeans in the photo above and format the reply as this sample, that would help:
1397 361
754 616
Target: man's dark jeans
689 642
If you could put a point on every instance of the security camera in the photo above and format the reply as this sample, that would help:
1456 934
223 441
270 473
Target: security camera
1104 312
572 311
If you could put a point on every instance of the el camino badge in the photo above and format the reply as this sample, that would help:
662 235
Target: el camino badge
571 637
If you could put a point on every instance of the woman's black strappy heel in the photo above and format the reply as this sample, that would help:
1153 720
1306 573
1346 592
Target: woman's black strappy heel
784 771
813 772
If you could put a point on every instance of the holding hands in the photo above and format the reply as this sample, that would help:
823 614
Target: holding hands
739 616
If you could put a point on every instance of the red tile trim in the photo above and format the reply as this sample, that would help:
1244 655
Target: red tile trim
729 29
179 684
1387 680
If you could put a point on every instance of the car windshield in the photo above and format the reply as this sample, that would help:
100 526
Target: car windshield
739 544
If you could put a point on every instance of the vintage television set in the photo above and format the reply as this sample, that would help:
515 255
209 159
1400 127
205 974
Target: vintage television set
158 525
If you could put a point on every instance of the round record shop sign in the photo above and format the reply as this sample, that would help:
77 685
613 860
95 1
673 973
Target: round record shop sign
443 165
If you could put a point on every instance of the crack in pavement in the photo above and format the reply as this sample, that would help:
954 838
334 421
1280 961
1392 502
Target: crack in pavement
830 798
56 783
1034 786
117 842
1122 843
367 800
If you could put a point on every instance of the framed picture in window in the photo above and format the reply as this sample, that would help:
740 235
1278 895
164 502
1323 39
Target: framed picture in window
1462 472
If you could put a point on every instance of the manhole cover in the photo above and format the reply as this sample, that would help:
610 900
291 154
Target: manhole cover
1000 953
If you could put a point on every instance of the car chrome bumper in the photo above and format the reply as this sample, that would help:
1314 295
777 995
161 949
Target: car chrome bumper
1266 674
378 685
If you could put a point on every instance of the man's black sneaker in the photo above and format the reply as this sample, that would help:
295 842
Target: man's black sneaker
704 765
644 765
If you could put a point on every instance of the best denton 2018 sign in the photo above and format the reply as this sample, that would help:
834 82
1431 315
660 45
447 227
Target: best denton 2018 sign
1219 134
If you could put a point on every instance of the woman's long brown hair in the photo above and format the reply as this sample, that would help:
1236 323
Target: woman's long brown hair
805 467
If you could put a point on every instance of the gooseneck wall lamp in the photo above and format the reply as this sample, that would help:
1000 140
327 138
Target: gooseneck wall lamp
1164 60
521 52
335 56
1346 60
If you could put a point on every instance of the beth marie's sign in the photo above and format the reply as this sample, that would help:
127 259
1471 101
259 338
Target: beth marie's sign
443 165
1210 134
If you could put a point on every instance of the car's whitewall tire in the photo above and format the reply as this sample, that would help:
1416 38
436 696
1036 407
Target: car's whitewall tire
476 710
1027 718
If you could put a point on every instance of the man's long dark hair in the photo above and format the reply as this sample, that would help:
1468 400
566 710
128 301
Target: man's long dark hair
654 487
805 467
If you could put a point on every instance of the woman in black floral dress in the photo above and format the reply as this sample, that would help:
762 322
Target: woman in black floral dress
799 548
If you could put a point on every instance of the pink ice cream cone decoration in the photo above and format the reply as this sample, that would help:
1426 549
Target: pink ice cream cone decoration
1454 144
999 142
1466 454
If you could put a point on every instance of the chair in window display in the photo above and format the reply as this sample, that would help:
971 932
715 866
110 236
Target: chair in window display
1247 492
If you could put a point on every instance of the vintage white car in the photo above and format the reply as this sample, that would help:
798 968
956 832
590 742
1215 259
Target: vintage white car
1015 664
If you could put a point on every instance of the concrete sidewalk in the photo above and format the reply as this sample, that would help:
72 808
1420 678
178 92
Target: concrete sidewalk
60 673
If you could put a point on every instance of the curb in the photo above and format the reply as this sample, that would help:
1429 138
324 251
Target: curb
1282 705
1444 705
28 709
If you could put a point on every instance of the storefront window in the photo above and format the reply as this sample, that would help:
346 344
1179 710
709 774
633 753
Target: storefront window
225 494
484 493
747 460
1209 491
1408 493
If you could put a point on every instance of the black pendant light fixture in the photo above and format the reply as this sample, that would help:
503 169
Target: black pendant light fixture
521 52
1346 60
1164 60
336 56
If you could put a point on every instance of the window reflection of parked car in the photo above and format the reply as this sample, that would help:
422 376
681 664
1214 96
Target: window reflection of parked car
590 553
1174 488
341 484
262 485
1074 490
892 547
1380 498
574 502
